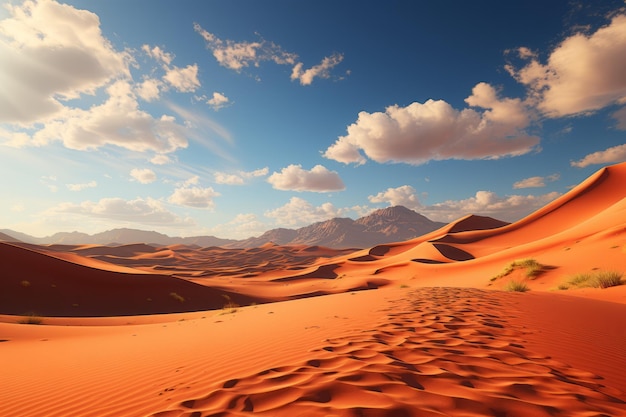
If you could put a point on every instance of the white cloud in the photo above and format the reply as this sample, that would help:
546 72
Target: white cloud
240 177
183 79
418 133
607 156
218 101
299 212
143 211
144 176
243 226
157 53
535 182
149 89
161 159
319 179
620 117
583 74
400 196
321 70
118 121
196 197
240 55
52 52
82 186
485 203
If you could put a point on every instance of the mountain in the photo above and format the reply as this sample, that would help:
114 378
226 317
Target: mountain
391 224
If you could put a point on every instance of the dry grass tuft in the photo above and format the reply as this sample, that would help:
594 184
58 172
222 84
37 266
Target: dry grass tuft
517 286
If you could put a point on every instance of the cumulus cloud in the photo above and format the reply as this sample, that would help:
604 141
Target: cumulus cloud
158 54
434 130
401 196
485 203
184 80
144 176
608 156
535 182
143 211
321 70
240 55
161 159
240 177
584 73
196 197
299 212
51 53
82 186
218 101
319 179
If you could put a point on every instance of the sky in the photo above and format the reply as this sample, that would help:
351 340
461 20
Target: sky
233 117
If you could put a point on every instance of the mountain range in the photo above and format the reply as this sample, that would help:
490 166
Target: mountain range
391 224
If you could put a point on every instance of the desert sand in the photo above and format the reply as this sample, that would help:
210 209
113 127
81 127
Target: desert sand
424 327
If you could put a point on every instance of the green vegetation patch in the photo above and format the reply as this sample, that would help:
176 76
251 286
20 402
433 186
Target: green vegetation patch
532 267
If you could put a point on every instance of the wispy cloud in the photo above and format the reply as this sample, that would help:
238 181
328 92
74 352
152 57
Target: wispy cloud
434 130
319 179
240 177
608 156
240 55
535 182
82 186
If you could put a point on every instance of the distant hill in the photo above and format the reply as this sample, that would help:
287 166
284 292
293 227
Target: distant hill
391 224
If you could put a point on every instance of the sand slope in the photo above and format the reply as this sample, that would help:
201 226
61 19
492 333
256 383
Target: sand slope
415 328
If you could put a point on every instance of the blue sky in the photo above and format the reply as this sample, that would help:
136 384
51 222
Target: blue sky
230 118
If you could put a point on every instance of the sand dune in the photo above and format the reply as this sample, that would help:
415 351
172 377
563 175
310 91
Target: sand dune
415 328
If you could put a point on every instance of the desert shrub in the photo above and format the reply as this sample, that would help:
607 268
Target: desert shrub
598 279
606 279
177 297
533 268
517 286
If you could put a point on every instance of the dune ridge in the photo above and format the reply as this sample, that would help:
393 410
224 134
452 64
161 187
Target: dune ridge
414 328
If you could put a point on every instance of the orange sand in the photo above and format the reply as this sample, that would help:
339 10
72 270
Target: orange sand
416 328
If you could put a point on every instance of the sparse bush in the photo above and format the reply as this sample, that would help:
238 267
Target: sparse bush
230 306
533 268
606 279
518 286
598 279
177 297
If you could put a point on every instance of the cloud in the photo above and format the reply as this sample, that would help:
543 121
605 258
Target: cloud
322 70
149 89
51 53
400 196
582 74
485 203
319 179
419 133
299 212
184 80
144 211
240 55
218 101
607 156
80 187
196 197
240 177
118 121
144 176
620 117
161 159
535 182
242 226
158 54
